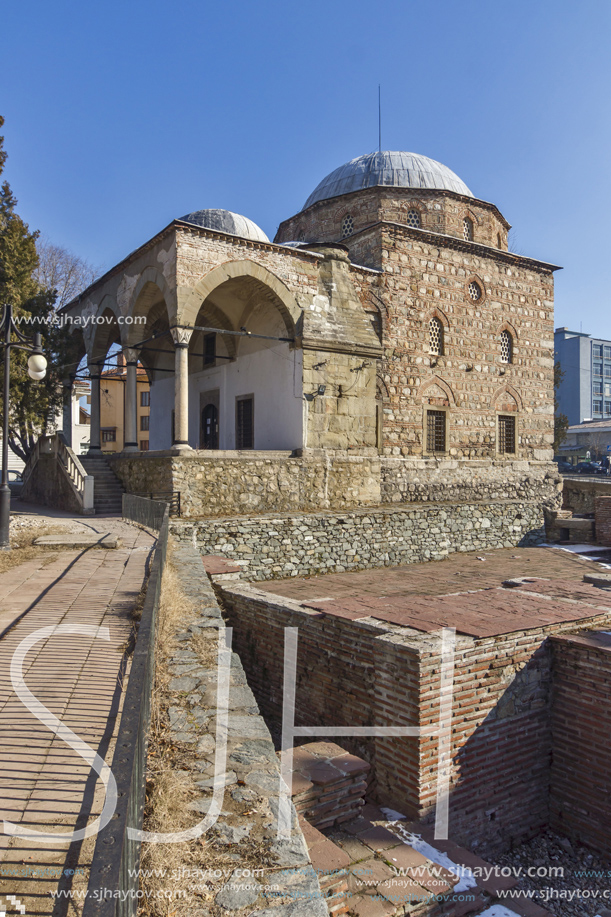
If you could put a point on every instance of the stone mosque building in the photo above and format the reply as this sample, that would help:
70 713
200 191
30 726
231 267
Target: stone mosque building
385 347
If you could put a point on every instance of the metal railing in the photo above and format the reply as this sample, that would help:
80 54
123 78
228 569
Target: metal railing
143 510
116 859
172 497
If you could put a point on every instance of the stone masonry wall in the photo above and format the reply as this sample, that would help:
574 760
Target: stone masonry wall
413 479
602 517
214 484
377 674
270 546
581 727
579 495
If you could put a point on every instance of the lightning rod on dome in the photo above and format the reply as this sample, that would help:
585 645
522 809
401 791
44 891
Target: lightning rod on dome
379 118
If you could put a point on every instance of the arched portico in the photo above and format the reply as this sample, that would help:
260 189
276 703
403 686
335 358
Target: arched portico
237 380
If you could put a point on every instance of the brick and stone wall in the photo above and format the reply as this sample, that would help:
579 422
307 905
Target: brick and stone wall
579 495
377 674
581 728
299 544
602 519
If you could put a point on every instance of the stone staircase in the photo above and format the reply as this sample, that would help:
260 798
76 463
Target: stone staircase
108 491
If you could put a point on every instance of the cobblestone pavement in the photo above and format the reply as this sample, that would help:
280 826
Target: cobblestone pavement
44 784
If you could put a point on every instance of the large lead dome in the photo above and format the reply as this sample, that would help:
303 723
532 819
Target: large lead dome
226 221
395 169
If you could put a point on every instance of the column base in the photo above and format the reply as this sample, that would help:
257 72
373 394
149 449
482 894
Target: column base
94 450
179 448
131 447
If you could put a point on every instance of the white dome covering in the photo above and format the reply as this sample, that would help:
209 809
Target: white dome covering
226 221
395 169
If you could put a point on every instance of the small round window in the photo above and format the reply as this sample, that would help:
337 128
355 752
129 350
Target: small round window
413 219
347 226
475 291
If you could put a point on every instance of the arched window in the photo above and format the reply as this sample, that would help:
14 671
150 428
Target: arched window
347 226
435 336
413 218
506 347
467 229
475 291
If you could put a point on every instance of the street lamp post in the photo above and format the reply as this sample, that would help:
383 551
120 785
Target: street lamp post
37 368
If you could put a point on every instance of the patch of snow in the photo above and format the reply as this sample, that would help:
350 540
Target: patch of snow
391 815
497 910
464 874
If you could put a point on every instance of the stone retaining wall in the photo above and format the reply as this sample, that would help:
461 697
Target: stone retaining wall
227 483
273 546
246 829
579 494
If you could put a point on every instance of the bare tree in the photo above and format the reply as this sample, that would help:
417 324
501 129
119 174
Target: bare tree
61 270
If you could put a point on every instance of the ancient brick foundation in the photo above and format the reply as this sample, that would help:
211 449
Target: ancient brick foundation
377 675
602 519
580 801
303 544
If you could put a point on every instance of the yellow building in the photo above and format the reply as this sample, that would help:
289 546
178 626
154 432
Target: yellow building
112 408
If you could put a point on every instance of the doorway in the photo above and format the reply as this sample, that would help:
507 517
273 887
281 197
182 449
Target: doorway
209 420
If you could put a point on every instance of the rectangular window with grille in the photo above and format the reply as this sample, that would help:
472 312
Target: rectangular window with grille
597 407
144 422
597 369
144 445
109 435
597 350
507 434
145 399
607 353
597 388
435 431
245 428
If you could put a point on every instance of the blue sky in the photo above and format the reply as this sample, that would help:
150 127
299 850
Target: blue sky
123 115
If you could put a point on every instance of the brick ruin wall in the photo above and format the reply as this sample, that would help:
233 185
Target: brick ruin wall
581 728
501 728
602 520
271 546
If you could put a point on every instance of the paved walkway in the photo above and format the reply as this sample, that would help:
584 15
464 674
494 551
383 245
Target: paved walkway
44 784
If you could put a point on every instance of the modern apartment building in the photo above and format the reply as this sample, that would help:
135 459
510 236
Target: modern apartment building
585 390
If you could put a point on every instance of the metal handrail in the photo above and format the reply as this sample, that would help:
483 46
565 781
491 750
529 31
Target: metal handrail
172 497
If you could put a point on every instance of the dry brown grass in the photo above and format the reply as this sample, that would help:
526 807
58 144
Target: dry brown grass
24 549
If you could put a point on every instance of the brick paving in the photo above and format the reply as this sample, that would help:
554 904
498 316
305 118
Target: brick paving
463 591
44 784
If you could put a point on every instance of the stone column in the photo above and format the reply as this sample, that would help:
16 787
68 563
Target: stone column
181 338
131 402
94 435
67 410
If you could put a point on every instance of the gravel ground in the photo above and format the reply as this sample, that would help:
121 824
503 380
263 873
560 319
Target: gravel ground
585 873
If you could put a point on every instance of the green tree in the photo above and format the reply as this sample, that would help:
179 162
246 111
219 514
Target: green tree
561 421
31 403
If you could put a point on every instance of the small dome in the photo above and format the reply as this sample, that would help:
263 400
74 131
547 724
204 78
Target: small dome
395 169
226 221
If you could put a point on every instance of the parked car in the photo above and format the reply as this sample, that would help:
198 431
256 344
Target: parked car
15 482
565 467
589 468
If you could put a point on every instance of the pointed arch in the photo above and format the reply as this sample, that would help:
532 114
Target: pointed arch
439 383
507 326
508 389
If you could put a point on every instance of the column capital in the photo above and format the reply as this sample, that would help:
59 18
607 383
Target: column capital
181 335
131 355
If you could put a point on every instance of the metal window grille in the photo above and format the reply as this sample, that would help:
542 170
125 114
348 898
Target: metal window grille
435 431
413 219
506 347
109 435
145 399
475 291
507 434
144 422
467 229
435 336
347 226
245 435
